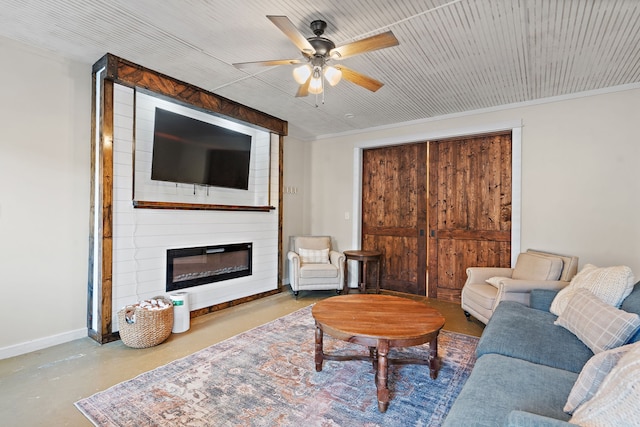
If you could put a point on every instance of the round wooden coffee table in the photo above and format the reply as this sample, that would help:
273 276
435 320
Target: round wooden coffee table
380 322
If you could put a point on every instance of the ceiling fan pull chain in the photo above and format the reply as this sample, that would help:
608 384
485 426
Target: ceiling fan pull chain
322 78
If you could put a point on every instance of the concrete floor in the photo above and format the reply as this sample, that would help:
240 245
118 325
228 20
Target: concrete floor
39 388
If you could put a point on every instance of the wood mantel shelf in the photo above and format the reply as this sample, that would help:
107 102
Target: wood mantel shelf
141 204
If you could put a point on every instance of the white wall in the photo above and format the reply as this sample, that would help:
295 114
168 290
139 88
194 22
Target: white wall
296 215
45 110
580 185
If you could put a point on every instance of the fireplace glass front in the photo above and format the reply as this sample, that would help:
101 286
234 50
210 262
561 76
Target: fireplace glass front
187 267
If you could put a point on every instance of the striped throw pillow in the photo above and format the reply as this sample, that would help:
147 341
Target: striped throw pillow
597 324
592 375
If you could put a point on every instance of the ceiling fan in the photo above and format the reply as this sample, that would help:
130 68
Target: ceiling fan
318 51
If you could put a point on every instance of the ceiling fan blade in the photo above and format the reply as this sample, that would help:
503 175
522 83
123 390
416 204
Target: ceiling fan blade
359 79
290 30
303 90
268 63
369 44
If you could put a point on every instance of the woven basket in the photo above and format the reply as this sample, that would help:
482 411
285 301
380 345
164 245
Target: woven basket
150 327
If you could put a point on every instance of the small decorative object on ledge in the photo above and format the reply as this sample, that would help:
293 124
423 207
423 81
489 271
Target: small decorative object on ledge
146 323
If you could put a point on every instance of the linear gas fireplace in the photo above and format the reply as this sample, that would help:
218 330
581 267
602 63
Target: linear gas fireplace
189 267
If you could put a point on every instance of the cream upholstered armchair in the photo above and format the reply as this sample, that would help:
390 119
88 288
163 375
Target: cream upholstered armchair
487 286
313 265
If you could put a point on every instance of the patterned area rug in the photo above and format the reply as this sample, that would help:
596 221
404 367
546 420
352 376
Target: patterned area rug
266 377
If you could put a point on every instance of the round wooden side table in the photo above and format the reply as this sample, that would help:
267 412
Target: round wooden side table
363 258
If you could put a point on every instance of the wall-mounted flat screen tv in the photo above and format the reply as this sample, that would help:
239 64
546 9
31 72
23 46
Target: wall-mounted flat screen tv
190 151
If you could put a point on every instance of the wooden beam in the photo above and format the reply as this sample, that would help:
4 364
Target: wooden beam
129 74
106 147
281 250
101 226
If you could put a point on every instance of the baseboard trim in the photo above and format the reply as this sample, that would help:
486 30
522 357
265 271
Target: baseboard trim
39 344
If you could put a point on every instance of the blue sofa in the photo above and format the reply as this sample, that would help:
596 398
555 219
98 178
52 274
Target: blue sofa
525 368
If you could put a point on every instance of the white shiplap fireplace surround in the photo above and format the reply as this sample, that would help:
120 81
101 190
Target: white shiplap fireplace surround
136 220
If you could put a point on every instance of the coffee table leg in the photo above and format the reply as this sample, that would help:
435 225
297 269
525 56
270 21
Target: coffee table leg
434 364
381 377
364 277
345 285
373 354
319 357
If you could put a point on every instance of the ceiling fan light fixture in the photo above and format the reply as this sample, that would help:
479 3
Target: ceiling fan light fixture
333 75
318 51
302 73
315 86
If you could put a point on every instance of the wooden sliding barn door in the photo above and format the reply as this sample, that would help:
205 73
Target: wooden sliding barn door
394 214
469 209
464 220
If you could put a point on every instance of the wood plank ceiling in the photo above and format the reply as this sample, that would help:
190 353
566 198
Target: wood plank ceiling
454 55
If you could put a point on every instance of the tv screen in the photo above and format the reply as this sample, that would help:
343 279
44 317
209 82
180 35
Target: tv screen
191 151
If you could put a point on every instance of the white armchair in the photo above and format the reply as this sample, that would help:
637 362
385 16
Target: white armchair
313 265
487 286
